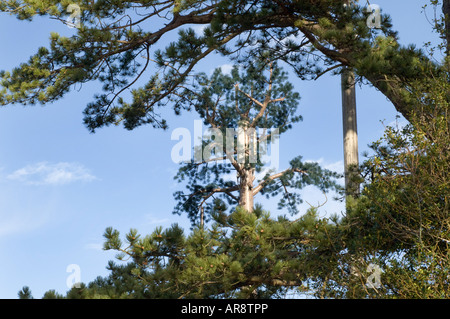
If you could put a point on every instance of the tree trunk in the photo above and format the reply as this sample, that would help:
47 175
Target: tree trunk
246 190
350 132
202 217
246 143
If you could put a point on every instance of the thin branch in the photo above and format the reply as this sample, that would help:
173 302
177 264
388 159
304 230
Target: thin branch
328 70
319 205
249 96
219 190
261 185
129 85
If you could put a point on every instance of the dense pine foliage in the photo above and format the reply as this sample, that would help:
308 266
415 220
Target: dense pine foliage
396 230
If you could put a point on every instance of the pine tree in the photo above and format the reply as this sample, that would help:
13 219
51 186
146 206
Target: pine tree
245 111
245 253
25 293
241 255
400 221
113 37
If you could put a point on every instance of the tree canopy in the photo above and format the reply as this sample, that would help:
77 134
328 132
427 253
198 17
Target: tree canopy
246 112
393 241
116 44
396 229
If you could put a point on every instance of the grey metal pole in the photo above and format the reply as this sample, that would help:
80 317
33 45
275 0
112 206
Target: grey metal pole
350 130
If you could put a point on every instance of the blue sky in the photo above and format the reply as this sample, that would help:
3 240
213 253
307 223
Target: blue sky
61 186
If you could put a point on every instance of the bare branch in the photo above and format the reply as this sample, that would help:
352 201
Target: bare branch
249 96
261 185
227 191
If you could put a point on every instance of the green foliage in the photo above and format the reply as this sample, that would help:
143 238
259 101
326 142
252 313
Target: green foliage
117 43
52 294
241 256
25 293
259 98
401 222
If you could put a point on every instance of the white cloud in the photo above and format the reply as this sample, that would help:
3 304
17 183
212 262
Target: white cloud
325 203
45 173
94 246
337 167
398 123
152 220
314 197
226 68
199 29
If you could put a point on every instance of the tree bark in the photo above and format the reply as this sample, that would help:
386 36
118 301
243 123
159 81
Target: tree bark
246 173
246 190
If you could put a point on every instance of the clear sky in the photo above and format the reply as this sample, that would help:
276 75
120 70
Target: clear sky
61 186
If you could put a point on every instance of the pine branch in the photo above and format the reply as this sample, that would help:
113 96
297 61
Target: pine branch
261 185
